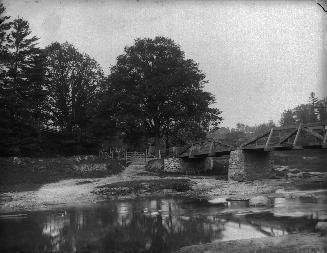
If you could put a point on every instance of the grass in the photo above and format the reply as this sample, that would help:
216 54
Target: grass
144 186
20 174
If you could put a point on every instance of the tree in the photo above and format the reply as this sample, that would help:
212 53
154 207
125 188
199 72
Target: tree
322 109
4 30
287 118
157 91
4 53
313 100
73 84
22 93
314 111
263 128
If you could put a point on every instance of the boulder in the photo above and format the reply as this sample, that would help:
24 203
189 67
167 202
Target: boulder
17 160
294 171
295 175
281 171
321 226
281 168
218 201
259 201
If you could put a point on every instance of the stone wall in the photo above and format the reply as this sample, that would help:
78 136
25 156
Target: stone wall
208 165
249 165
172 165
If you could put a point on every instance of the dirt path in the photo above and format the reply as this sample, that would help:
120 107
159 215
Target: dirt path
71 192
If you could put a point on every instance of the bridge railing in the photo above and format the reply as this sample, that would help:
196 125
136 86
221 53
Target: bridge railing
311 135
202 148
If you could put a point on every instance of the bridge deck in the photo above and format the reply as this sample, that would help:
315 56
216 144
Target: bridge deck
302 136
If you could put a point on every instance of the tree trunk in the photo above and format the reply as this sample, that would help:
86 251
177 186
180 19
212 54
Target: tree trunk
167 145
157 144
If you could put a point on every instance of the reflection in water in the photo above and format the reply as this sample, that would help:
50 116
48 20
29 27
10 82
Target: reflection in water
155 225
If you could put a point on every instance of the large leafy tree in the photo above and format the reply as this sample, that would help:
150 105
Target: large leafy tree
73 84
157 91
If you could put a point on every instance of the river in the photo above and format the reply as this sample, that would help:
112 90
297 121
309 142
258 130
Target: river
155 224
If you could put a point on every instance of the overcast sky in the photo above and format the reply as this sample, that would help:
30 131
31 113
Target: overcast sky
260 57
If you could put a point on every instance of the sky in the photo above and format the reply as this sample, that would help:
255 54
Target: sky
260 57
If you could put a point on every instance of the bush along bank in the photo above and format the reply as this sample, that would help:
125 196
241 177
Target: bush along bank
18 174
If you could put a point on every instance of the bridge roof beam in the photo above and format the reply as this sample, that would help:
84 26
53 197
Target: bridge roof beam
297 135
315 134
268 140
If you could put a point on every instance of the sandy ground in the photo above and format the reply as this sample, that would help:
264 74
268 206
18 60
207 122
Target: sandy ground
70 192
289 243
76 192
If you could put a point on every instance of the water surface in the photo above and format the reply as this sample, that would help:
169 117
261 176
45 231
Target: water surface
153 225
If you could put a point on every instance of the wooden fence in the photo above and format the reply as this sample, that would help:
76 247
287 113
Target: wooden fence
129 157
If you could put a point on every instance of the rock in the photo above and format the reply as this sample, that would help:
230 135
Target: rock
153 214
308 198
294 171
259 201
295 175
17 160
312 174
281 171
322 226
218 201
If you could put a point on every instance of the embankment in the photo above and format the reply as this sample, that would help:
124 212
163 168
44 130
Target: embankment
20 174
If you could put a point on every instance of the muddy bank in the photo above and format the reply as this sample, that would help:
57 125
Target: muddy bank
23 174
134 182
299 243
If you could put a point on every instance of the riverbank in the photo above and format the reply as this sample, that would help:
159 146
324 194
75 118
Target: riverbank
134 182
25 174
297 243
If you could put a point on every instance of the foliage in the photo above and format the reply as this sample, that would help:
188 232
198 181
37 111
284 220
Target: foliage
287 118
240 134
73 84
314 111
157 92
58 98
22 96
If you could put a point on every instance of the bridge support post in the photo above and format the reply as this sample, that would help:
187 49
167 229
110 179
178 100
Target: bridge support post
249 165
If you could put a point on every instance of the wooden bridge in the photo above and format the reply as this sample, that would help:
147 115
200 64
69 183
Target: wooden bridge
206 149
302 136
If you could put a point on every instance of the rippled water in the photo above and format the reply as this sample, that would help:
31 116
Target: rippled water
153 225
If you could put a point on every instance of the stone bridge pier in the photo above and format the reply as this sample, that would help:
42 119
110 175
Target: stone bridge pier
249 165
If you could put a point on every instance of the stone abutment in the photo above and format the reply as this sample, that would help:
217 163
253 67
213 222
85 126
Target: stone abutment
249 165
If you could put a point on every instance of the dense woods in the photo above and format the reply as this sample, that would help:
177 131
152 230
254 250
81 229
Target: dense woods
57 100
